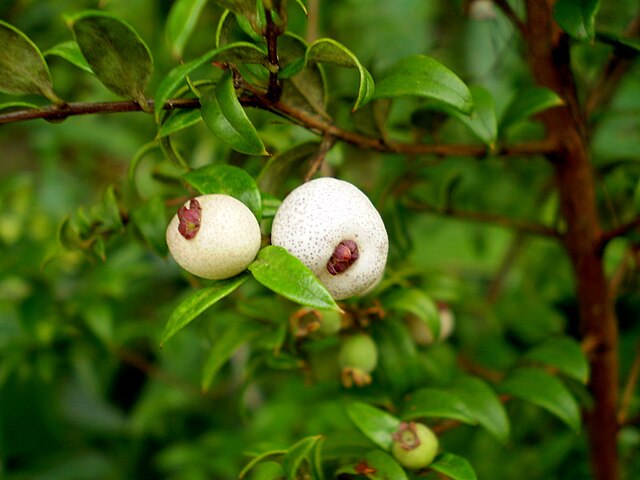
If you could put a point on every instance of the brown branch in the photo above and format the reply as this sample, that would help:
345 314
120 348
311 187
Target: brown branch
492 218
316 162
612 74
272 31
58 113
618 231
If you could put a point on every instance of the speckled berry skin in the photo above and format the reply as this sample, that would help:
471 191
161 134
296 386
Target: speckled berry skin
315 217
226 242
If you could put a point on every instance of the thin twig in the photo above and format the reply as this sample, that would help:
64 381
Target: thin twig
272 31
511 15
629 388
619 231
491 218
316 162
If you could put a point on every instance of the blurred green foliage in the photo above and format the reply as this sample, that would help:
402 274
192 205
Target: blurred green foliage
85 390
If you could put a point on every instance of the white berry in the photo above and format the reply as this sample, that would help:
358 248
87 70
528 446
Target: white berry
214 236
335 230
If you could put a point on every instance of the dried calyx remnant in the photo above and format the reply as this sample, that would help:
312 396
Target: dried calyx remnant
190 219
407 436
344 255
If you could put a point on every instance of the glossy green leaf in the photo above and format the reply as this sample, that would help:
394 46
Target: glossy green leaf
376 465
422 76
278 270
225 117
23 69
235 335
181 21
577 17
150 220
179 120
454 467
297 454
330 52
117 55
527 102
482 122
483 405
292 163
563 353
436 402
172 153
542 389
418 303
266 471
378 425
197 303
70 51
234 52
255 461
228 180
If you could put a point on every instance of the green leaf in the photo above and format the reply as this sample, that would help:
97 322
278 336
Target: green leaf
546 391
17 106
150 220
179 120
288 164
181 21
197 303
234 336
70 51
482 121
436 402
483 405
398 354
244 8
577 17
625 46
563 353
278 270
228 180
454 467
23 69
234 52
297 454
257 460
330 52
225 117
527 102
422 76
383 467
266 471
418 303
117 55
378 425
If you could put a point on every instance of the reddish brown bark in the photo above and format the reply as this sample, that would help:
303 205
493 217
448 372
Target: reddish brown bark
548 50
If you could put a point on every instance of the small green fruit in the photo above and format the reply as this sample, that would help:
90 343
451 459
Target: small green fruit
358 357
414 445
330 322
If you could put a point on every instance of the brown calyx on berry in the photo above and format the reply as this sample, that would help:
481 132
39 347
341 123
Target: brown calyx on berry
344 255
407 436
190 219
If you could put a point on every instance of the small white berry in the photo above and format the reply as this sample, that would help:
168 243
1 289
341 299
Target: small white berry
335 230
214 236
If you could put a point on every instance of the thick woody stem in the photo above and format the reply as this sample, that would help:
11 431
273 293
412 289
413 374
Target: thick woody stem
549 58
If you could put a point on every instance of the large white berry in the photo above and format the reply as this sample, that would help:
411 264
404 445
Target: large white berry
214 236
335 230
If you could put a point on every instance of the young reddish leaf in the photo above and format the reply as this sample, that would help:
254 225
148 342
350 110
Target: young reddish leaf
23 69
278 270
117 55
225 117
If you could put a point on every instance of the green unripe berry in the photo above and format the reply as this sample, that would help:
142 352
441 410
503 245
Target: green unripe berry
358 351
414 445
330 322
